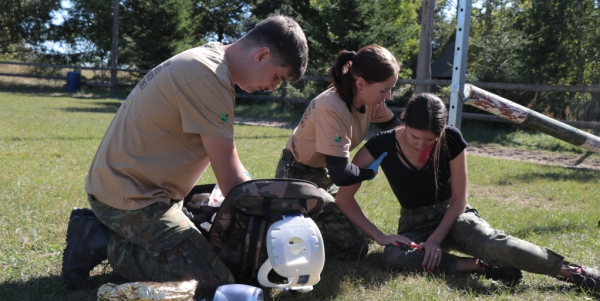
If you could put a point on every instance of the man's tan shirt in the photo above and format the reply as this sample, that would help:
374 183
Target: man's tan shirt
152 150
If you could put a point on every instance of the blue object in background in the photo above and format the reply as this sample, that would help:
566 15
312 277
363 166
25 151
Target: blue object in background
73 81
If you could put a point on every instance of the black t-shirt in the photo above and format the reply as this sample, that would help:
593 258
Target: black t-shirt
416 189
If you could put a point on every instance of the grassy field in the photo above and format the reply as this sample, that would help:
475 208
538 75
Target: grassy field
48 140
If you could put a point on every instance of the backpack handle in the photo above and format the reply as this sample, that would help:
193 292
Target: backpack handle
266 207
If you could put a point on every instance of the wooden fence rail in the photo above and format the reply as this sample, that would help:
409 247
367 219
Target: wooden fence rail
434 82
490 85
74 67
498 119
34 76
39 65
471 116
483 85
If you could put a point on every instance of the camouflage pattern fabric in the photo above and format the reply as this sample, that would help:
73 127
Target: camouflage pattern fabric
470 235
296 170
252 207
159 243
342 239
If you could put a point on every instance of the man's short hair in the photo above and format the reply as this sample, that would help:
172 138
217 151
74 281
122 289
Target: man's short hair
286 40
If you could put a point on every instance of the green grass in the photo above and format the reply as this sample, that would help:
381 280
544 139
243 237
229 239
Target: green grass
48 140
512 135
270 111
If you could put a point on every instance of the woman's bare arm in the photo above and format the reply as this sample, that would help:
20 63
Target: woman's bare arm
458 203
346 202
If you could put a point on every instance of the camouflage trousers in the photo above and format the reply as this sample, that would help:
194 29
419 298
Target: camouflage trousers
341 238
471 235
159 243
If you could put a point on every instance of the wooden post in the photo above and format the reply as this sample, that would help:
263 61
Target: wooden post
113 54
283 89
424 59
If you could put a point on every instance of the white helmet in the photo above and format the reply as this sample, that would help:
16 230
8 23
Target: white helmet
296 251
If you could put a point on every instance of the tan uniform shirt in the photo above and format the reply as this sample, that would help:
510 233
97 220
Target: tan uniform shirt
329 128
152 151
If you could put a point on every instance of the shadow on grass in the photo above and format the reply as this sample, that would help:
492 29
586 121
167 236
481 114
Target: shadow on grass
366 272
485 132
51 91
100 107
567 227
51 288
477 287
585 156
290 125
47 138
573 174
260 137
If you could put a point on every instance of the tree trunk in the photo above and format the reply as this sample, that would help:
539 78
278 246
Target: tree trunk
113 53
424 60
579 51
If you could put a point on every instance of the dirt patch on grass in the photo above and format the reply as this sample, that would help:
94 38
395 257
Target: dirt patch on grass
277 124
587 160
505 195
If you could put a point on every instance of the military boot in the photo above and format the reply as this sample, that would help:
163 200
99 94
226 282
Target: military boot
505 274
87 241
586 277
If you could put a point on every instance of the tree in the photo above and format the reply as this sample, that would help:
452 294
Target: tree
335 25
26 25
150 31
444 27
564 50
154 30
309 16
220 20
496 52
88 29
496 49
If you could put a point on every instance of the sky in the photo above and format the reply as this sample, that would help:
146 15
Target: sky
58 18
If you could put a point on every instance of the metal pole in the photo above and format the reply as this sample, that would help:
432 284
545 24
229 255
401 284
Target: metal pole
113 54
463 25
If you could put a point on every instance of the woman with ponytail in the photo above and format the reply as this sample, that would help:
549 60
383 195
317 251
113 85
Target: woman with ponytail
333 124
427 171
337 120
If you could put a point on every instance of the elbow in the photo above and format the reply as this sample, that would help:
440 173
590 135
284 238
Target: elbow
459 204
337 179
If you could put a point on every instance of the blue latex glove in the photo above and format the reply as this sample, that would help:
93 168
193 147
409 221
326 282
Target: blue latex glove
247 174
375 164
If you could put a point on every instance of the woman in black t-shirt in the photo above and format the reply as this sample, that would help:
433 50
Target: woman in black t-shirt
427 170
